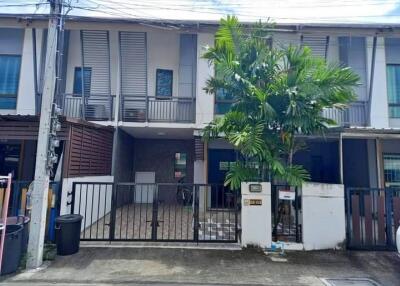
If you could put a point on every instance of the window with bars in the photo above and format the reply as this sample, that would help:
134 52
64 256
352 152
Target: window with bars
391 165
10 66
393 89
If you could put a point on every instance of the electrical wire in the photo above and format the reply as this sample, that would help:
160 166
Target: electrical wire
136 10
138 6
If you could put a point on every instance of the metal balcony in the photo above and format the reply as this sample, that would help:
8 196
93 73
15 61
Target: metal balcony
355 115
156 109
92 107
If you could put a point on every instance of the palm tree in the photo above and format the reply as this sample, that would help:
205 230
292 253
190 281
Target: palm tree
278 94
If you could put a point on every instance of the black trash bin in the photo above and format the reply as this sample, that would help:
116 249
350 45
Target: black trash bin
24 221
12 248
68 230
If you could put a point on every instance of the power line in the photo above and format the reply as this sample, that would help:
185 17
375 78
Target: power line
135 10
160 8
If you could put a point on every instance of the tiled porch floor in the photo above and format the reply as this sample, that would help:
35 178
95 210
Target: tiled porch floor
175 222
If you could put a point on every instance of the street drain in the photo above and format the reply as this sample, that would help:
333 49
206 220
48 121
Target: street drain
350 282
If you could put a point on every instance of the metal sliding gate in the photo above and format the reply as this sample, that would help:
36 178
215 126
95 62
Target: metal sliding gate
372 217
155 212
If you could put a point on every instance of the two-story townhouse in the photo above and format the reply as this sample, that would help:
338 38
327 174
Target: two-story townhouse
133 99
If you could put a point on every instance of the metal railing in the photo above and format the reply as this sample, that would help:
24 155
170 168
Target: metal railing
355 115
156 109
157 212
92 107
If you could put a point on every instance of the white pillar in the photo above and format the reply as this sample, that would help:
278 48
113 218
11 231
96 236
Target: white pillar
256 215
26 90
204 101
379 103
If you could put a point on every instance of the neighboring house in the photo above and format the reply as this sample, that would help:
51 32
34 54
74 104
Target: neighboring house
145 81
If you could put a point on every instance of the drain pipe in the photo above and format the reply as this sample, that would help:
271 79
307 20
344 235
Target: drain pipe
341 157
371 80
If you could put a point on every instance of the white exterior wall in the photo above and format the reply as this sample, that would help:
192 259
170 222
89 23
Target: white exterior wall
204 101
67 188
74 59
199 177
379 102
333 49
324 224
26 90
26 86
163 52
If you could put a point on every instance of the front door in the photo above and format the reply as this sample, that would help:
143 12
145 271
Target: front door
219 162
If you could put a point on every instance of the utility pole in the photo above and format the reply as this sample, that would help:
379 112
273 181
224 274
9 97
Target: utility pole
44 157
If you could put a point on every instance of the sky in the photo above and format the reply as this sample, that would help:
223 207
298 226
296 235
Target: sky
278 11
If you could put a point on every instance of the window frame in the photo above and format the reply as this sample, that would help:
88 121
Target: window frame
396 104
82 71
10 95
171 86
218 103
384 155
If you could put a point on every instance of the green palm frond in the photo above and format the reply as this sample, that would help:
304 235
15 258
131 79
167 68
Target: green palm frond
239 173
277 94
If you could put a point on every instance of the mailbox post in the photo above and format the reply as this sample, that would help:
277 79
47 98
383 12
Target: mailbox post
256 214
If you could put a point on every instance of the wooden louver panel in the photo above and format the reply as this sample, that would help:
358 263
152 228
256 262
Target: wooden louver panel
90 152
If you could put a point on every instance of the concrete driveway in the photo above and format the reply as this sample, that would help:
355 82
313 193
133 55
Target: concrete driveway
161 266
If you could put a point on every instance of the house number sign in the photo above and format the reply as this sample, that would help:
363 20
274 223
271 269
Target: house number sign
253 202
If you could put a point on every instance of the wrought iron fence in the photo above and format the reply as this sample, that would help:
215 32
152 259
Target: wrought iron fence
157 212
156 109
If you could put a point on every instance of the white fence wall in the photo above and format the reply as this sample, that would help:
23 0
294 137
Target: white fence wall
322 217
100 195
324 223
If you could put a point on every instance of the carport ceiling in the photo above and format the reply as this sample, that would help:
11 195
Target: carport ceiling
159 133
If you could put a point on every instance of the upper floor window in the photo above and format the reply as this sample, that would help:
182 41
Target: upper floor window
164 80
87 77
10 66
223 101
393 89
352 53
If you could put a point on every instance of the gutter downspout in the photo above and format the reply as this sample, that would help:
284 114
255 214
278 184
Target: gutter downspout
341 157
371 81
327 47
35 77
83 79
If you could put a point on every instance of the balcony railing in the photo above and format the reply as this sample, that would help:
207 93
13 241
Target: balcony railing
354 115
93 107
155 109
